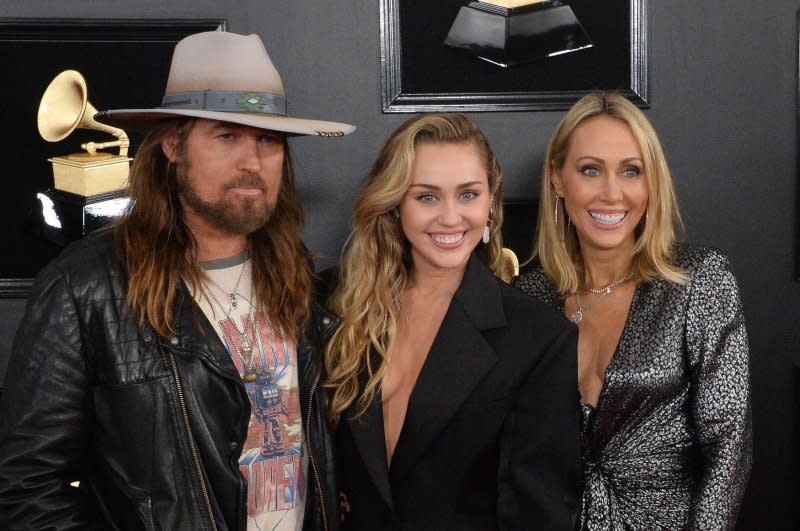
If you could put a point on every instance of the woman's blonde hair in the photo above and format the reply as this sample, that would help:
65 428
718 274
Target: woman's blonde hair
557 245
376 259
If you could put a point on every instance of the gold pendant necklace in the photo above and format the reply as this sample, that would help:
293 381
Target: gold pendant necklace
577 316
606 290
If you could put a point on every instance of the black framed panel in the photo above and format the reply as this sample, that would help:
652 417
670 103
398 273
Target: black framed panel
125 64
797 162
419 72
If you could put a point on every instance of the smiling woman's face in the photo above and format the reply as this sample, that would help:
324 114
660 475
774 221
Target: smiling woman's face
603 184
445 209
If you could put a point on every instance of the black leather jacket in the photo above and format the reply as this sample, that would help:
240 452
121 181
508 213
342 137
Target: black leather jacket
151 427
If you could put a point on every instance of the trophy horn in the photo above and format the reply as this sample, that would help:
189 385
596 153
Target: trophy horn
65 107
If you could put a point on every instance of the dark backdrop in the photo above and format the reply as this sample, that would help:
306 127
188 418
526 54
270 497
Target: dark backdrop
108 56
722 84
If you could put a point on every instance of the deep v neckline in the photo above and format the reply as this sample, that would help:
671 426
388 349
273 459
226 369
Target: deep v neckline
616 353
458 361
413 371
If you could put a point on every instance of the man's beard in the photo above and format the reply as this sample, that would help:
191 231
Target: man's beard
236 217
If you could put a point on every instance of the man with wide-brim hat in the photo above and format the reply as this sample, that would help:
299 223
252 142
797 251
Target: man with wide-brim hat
228 77
170 364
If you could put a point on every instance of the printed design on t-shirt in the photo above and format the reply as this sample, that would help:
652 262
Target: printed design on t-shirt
272 459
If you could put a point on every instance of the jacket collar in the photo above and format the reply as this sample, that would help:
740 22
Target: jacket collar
458 360
196 336
480 297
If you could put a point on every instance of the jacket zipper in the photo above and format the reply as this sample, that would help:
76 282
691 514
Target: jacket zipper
192 444
311 454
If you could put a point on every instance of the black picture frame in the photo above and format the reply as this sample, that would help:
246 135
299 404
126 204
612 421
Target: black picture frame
125 63
797 162
419 73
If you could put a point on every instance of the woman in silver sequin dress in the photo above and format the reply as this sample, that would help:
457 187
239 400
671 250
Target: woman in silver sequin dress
663 357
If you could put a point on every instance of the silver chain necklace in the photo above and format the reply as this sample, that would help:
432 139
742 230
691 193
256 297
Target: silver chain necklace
231 295
245 350
577 316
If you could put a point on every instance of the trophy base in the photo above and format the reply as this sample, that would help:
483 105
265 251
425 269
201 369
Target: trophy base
513 36
62 217
88 174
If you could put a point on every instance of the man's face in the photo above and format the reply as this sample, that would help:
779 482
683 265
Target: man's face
228 175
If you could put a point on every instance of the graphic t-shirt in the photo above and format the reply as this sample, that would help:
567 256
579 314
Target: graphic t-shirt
273 460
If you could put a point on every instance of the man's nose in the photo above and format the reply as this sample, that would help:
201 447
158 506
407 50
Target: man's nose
249 157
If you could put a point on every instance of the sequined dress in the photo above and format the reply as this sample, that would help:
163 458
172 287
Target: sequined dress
669 444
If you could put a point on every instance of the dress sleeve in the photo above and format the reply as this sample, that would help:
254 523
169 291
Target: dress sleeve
720 393
43 414
540 453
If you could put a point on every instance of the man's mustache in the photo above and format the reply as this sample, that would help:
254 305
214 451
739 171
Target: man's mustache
247 180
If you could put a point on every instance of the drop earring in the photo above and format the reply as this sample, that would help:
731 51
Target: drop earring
486 232
555 212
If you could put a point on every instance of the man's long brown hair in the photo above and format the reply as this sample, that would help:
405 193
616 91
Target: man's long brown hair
158 249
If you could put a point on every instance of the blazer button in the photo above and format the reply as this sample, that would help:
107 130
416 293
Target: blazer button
234 446
174 341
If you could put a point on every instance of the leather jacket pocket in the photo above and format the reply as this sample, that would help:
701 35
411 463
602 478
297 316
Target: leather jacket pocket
124 506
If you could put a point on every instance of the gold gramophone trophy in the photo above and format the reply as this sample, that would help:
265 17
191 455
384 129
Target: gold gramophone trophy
90 187
64 108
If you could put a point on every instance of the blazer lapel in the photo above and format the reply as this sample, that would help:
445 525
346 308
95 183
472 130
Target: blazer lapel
367 431
458 360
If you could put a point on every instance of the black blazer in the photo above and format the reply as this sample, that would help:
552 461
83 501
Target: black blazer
491 435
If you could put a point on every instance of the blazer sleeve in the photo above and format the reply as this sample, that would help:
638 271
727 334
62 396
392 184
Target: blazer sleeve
43 414
540 454
720 393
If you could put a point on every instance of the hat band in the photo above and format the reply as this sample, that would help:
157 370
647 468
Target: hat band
227 101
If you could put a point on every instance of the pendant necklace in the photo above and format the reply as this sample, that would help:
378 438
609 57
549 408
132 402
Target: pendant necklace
245 350
231 295
577 316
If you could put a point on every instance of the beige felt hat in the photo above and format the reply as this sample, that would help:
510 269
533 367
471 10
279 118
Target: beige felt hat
227 77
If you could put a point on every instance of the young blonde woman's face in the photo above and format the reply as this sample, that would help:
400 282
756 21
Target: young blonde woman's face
446 208
603 184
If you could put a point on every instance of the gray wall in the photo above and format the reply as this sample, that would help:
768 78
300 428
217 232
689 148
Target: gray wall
723 81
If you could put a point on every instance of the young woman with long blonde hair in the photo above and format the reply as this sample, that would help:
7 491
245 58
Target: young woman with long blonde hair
452 392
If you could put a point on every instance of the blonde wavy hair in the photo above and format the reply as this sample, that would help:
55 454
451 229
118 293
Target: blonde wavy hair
376 259
557 246
158 249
